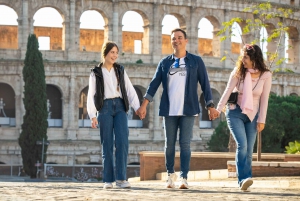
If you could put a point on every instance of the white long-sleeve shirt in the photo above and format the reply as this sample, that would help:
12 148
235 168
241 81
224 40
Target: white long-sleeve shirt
110 90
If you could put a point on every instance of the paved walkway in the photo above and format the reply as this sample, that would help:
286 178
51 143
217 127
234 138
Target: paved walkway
279 188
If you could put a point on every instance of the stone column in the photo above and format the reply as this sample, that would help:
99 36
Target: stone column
72 27
216 44
65 35
156 36
106 33
25 29
115 27
192 33
71 130
20 109
146 39
226 45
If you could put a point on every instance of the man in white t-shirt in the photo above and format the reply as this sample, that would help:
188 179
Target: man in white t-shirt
179 75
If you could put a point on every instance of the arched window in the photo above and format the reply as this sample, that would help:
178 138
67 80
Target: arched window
48 30
54 106
7 105
132 32
263 41
236 39
91 31
8 28
205 37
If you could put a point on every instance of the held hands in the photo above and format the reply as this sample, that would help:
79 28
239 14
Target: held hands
213 113
94 122
141 112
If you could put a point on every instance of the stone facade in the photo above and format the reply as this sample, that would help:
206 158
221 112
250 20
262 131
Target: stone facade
67 68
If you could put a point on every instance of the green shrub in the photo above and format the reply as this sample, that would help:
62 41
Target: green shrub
220 138
293 148
139 61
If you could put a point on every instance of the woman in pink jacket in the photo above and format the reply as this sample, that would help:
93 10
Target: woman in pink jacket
252 79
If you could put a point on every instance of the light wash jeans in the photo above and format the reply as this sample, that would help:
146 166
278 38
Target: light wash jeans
185 125
244 133
113 123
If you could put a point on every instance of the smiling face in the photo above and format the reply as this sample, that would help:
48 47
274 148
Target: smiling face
246 61
112 56
178 41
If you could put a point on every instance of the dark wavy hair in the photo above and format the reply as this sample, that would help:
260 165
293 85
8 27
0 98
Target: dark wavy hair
256 56
107 47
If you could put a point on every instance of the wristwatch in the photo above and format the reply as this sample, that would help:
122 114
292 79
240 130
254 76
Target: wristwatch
210 105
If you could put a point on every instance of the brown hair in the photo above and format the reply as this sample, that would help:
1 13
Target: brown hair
105 50
256 56
181 30
107 47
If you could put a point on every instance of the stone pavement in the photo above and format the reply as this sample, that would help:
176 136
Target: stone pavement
276 188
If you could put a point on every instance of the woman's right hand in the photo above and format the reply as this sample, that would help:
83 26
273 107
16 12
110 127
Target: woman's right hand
94 122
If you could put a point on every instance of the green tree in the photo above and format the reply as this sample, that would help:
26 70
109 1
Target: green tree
282 123
34 127
262 14
219 139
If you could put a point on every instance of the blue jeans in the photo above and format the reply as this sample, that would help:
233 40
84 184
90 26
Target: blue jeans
244 133
185 125
113 123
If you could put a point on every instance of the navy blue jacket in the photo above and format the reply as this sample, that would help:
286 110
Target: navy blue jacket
196 72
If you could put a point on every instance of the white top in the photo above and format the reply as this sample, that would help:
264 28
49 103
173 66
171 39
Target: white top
110 90
176 86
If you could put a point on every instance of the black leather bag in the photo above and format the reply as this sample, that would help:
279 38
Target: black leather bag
233 97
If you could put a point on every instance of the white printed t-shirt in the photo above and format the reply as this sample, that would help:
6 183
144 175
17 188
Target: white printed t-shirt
176 86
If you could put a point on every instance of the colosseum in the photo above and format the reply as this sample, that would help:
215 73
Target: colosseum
74 50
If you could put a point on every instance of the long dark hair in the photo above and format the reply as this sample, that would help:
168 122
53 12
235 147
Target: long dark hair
256 56
105 50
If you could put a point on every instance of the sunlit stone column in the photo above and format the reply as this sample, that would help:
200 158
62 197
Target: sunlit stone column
72 127
226 45
115 31
25 28
156 42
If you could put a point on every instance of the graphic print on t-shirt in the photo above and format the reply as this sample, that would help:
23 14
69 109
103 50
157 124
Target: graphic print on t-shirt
176 86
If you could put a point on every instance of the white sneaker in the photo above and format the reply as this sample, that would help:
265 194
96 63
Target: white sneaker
123 184
246 183
183 184
171 180
107 185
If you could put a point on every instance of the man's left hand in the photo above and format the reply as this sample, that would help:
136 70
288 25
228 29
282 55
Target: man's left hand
213 113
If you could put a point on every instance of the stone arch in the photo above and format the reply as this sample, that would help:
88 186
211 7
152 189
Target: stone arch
54 106
61 9
15 6
7 97
293 94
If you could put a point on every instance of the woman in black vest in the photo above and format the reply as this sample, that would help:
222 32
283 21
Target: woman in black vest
110 94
